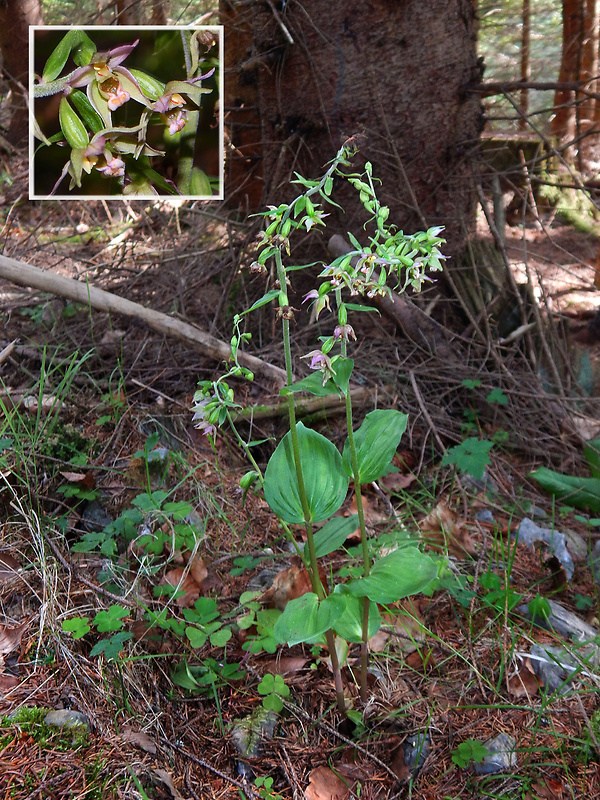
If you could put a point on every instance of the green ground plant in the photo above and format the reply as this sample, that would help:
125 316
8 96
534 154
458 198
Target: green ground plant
307 478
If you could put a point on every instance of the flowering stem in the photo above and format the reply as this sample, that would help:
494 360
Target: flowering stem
364 647
313 567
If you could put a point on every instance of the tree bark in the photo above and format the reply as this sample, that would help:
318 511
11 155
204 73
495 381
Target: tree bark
302 78
578 63
15 18
525 48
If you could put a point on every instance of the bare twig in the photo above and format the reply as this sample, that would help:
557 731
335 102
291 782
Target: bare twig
79 292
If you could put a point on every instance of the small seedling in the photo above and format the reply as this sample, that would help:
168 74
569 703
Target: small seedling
471 456
274 689
471 750
497 396
265 788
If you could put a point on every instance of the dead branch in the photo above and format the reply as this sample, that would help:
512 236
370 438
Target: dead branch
79 292
490 88
313 405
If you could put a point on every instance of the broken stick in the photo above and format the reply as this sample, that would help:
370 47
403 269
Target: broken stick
79 292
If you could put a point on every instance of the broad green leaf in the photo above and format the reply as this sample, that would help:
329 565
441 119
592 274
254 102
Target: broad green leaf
78 626
111 620
273 702
305 618
324 479
471 456
333 535
74 40
342 368
574 491
220 637
376 442
403 572
349 624
181 676
111 647
196 637
313 384
591 451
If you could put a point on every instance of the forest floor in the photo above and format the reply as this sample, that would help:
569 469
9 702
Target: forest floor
109 498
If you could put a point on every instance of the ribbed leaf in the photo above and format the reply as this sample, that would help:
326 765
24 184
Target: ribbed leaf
324 479
574 491
306 618
349 624
401 573
333 534
376 442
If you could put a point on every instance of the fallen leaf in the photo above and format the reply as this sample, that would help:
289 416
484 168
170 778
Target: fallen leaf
10 638
8 682
442 528
325 785
86 480
403 630
140 739
9 568
191 590
287 585
548 789
395 481
164 777
525 682
398 765
198 569
285 665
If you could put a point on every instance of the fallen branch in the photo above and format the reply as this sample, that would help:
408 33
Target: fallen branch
79 292
313 405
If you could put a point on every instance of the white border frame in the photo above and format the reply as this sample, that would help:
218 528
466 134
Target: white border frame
82 198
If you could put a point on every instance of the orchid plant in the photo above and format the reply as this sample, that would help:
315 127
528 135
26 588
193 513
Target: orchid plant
125 145
307 477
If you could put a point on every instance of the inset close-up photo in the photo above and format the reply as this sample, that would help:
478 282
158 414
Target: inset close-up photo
128 112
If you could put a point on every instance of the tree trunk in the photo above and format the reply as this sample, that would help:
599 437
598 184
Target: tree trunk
15 18
578 63
525 74
302 77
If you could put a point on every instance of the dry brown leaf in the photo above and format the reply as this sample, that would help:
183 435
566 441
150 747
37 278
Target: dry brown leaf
287 585
395 481
398 765
165 778
140 739
8 682
9 568
372 515
198 569
285 665
191 590
548 789
525 682
325 785
86 480
10 638
443 528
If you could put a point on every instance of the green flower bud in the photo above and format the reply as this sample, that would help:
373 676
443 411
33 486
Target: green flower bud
199 183
72 127
248 479
151 87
